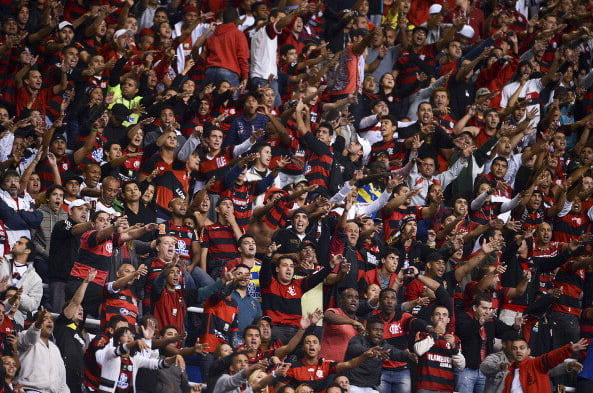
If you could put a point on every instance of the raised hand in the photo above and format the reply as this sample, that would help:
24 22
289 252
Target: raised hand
580 345
91 276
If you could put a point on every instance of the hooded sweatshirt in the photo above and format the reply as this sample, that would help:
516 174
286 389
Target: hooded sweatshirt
228 48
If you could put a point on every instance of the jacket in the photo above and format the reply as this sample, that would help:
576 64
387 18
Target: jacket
32 288
368 374
468 330
232 383
42 236
42 367
109 358
490 367
495 377
533 372
227 48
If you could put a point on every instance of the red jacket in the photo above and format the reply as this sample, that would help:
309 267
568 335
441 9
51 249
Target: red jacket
228 48
533 372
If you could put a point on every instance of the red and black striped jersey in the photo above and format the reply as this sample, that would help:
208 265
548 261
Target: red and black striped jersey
531 218
221 244
407 68
243 196
282 302
392 222
570 227
173 181
394 149
435 367
45 172
185 237
586 324
94 255
91 369
397 333
488 211
122 302
315 374
553 249
572 284
278 214
219 321
319 160
216 166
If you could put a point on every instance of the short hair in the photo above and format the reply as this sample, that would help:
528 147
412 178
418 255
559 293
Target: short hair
29 246
391 118
327 125
123 187
229 15
114 320
250 327
481 297
501 159
52 188
285 48
386 290
374 319
242 265
9 173
208 131
167 327
96 213
245 236
387 251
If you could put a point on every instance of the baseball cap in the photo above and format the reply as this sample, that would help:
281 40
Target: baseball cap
467 31
300 179
77 203
69 175
482 91
58 137
119 33
435 9
120 112
307 243
65 24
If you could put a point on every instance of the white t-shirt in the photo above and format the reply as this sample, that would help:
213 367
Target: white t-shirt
516 385
530 93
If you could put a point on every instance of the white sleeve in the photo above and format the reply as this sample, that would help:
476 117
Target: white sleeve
566 209
376 205
242 148
110 288
342 193
368 121
423 346
479 201
458 361
510 205
590 213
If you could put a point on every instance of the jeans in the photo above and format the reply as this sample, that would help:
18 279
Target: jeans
216 75
470 381
257 82
197 279
57 295
566 329
357 389
395 382
283 333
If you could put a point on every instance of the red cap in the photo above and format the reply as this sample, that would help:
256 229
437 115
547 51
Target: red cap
146 31
191 8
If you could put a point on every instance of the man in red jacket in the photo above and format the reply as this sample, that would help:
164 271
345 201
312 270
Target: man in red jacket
530 375
227 52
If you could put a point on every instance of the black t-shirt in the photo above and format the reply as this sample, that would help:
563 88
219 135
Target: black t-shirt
432 142
68 338
145 216
63 250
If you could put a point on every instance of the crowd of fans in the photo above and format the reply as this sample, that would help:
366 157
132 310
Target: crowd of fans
338 196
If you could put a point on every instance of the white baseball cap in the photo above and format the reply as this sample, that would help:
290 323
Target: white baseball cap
435 9
77 203
467 31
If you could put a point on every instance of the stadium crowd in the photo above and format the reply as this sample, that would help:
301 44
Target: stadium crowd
291 196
